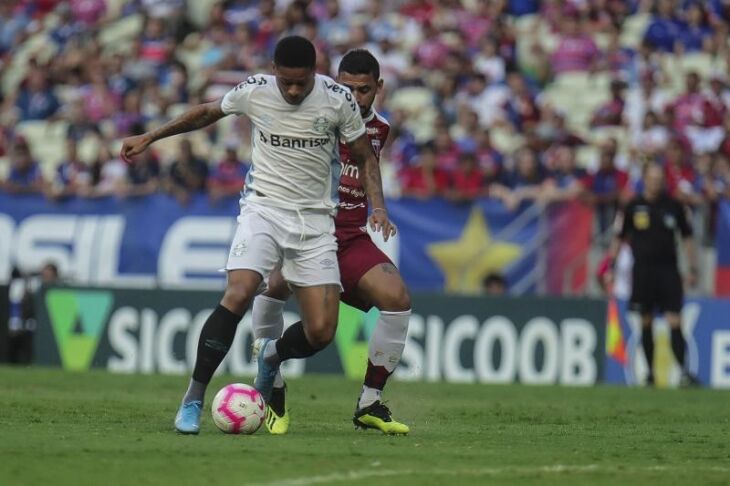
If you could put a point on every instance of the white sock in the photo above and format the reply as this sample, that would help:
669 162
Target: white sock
368 396
385 350
267 320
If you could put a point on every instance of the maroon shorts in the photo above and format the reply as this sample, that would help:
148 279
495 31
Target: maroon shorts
356 254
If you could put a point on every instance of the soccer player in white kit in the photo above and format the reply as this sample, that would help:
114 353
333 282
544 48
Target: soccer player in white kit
287 209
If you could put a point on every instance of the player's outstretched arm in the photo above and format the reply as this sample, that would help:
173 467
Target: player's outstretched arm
363 154
197 117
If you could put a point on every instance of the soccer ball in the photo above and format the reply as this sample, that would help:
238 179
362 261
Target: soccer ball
238 409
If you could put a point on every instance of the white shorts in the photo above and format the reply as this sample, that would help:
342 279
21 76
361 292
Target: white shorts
302 243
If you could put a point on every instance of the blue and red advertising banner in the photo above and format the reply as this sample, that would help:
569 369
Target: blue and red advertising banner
154 241
722 279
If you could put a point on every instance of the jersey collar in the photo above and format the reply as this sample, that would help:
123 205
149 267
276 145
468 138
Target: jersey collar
370 116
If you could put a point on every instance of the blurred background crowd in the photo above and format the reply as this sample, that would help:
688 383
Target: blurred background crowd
521 100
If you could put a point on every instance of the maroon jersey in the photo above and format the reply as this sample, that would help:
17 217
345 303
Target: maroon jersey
352 210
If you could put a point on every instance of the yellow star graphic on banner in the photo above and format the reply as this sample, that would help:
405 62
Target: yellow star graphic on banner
466 261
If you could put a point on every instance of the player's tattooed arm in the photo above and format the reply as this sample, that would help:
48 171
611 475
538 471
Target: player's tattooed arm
363 154
197 117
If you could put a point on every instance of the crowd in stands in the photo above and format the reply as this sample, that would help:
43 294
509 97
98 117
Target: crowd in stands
482 95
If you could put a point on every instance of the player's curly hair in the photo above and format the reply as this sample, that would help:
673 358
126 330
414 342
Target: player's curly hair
360 61
295 51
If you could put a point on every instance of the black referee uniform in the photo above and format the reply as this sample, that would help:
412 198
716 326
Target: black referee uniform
650 228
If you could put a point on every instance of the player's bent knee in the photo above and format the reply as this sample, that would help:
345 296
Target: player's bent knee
278 292
396 301
320 337
237 298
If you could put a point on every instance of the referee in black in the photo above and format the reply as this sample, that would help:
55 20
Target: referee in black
649 224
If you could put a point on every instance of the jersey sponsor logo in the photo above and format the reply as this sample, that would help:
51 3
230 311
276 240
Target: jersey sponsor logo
352 191
292 142
350 206
351 170
336 88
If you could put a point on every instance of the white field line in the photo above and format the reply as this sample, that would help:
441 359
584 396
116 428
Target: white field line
486 471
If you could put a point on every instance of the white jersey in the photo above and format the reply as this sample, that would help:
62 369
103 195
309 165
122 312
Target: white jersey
295 157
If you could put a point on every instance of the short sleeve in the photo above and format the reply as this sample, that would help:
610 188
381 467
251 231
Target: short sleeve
684 228
624 222
351 124
236 101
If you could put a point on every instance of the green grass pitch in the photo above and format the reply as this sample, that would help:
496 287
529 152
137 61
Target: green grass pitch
95 428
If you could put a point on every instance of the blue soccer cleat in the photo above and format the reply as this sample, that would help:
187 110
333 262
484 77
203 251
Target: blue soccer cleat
187 420
264 381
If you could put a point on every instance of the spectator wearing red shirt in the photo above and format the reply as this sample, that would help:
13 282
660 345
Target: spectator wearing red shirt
468 180
431 53
89 12
678 172
696 117
447 152
424 179
576 50
611 113
490 160
420 10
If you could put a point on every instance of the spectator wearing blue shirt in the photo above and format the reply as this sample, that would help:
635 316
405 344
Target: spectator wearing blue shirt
73 177
523 7
25 174
36 100
67 27
664 30
696 33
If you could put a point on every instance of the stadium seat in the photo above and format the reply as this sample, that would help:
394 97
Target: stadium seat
121 32
418 103
46 141
89 147
633 29
199 11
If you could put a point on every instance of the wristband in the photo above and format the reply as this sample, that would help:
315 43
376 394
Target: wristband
380 209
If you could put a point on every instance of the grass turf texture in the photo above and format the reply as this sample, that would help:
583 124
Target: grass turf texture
98 428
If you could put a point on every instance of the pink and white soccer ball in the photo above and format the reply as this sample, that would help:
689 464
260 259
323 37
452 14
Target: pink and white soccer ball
238 409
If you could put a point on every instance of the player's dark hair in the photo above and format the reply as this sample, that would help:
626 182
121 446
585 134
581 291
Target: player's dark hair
295 52
360 61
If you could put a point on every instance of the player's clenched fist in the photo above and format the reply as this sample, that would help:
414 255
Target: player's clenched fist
132 146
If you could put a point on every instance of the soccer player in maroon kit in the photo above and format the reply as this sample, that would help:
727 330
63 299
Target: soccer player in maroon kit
368 276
